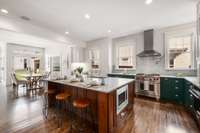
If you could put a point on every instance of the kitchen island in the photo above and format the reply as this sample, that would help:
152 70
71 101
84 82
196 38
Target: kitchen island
111 104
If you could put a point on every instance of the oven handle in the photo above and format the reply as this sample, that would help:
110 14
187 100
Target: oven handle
193 93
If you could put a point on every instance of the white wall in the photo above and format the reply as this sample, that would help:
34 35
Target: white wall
153 65
104 46
143 65
17 31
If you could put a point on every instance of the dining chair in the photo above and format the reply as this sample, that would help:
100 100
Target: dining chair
43 80
16 82
19 81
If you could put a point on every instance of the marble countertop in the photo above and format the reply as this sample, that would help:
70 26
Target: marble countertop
111 84
193 80
133 74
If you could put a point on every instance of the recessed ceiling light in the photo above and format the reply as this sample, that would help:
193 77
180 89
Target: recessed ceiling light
148 2
109 31
66 32
87 16
4 11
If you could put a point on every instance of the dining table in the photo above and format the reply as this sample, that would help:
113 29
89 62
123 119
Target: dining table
33 80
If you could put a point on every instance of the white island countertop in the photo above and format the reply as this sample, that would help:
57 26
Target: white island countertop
111 84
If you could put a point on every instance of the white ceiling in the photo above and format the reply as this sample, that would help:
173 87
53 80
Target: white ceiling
120 16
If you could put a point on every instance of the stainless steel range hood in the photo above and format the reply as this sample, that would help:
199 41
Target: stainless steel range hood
148 45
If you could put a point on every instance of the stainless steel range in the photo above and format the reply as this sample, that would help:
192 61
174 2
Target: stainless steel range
148 85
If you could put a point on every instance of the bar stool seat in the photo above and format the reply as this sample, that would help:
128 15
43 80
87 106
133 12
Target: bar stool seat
81 103
62 100
62 96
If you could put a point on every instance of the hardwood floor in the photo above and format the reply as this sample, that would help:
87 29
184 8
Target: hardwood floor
24 115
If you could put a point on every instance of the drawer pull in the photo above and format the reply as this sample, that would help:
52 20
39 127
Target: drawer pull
122 114
177 81
176 95
177 88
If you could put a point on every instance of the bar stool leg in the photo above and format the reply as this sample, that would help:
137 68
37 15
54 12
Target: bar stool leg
93 120
73 118
58 112
45 106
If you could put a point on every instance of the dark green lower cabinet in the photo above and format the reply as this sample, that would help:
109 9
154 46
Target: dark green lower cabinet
188 98
165 91
172 90
121 76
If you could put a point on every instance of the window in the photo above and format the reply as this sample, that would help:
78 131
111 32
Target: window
179 52
125 55
94 56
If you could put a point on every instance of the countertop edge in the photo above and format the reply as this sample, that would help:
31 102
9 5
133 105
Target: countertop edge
92 88
192 79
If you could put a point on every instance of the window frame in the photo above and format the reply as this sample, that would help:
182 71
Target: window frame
180 33
90 58
122 43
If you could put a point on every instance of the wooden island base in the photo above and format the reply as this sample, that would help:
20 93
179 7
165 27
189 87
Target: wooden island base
103 106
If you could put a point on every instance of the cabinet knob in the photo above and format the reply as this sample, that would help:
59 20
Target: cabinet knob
122 114
177 88
176 95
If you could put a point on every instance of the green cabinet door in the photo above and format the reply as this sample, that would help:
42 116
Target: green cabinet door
165 89
172 90
178 90
162 89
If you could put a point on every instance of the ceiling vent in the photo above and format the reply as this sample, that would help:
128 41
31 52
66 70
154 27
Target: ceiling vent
25 18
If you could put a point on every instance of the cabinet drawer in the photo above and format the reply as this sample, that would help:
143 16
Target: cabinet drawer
177 95
178 82
178 98
178 90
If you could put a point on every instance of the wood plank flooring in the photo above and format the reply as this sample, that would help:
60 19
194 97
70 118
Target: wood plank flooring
24 115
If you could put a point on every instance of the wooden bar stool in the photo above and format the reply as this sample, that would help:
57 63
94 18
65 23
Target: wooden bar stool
81 105
62 99
47 93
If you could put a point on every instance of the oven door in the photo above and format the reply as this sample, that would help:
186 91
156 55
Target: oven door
196 103
198 70
122 98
